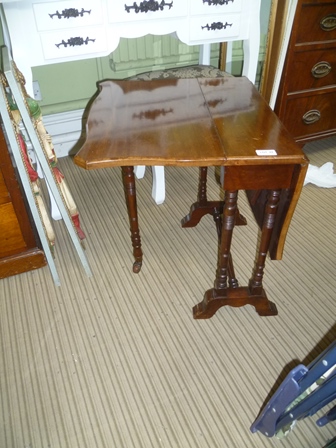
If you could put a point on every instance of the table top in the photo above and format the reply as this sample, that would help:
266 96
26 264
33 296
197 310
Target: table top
184 122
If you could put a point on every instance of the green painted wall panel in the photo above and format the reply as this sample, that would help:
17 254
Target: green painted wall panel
66 86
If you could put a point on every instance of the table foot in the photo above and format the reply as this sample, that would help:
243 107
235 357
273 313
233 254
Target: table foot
137 267
198 210
236 297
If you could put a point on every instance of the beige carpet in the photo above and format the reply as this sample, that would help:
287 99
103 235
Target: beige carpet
116 360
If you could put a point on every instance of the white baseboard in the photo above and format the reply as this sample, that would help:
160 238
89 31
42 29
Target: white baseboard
65 129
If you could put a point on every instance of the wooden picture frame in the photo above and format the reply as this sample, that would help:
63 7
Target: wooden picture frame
280 25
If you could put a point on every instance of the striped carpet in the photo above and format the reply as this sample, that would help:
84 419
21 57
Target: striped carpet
117 361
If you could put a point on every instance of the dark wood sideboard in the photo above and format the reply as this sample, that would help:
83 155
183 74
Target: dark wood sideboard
306 101
20 249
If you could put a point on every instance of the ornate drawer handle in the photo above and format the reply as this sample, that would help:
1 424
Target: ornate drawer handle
321 69
75 42
217 26
71 12
328 23
218 2
312 116
148 5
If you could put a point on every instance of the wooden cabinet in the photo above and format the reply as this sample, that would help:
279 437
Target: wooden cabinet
307 93
20 250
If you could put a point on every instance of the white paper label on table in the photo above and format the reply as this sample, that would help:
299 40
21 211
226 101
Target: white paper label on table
266 152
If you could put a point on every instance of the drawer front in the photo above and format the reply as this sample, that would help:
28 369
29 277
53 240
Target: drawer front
224 26
210 7
129 10
317 23
312 69
67 14
74 42
311 114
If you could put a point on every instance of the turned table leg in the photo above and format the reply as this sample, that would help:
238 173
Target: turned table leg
232 280
215 208
254 294
130 196
211 303
224 259
204 207
255 284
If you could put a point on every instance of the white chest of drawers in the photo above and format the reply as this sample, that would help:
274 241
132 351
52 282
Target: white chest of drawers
46 32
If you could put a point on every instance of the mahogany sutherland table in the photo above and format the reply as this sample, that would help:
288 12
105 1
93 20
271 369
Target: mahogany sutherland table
204 122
